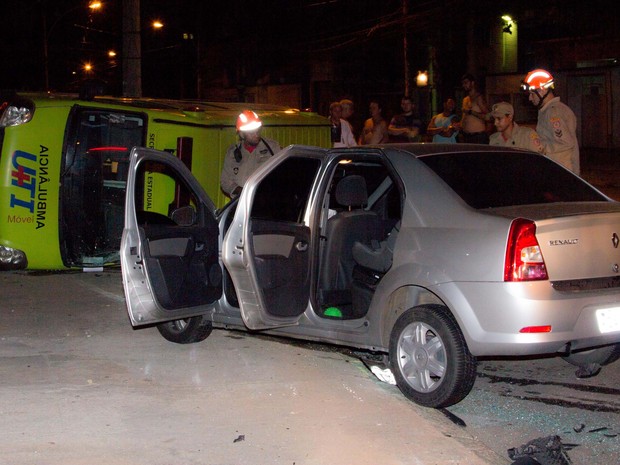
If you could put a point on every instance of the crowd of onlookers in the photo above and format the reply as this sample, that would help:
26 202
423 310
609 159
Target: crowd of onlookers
554 136
476 123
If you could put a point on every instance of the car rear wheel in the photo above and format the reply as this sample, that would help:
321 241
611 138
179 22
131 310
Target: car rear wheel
186 331
429 357
601 356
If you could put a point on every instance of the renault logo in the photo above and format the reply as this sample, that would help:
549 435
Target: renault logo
615 240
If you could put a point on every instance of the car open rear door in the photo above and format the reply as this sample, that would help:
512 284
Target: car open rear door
267 249
169 249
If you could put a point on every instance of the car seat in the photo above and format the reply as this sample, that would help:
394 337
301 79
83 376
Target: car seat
377 258
352 224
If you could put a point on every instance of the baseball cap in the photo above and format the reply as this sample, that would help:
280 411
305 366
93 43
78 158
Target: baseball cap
502 109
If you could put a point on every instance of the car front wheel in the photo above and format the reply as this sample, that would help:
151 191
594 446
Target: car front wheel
186 331
429 357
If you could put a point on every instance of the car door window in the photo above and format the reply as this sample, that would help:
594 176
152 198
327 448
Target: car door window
280 241
283 195
179 234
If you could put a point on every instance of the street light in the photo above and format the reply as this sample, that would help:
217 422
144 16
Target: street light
507 27
93 5
421 79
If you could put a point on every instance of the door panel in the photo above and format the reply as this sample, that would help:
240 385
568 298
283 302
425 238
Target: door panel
267 249
281 254
182 267
169 249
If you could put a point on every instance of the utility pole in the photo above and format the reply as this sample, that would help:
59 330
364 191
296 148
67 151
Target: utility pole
132 59
405 49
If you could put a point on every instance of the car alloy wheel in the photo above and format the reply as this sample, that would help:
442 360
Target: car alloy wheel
429 357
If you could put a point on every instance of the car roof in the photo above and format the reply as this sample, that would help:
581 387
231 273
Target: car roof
421 149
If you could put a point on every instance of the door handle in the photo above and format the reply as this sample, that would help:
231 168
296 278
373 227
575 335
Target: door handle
301 246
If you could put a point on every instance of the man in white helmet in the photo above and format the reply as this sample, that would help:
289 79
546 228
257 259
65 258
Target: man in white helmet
557 124
243 158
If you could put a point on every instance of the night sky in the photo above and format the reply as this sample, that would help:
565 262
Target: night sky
240 42
268 32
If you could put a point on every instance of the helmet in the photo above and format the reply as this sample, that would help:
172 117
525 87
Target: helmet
537 79
248 121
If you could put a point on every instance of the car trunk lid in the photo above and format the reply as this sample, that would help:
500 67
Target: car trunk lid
580 246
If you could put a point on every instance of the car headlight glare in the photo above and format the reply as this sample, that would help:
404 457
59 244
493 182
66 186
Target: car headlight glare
15 115
12 259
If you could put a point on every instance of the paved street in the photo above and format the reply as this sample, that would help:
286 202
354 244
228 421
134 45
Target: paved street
516 401
79 386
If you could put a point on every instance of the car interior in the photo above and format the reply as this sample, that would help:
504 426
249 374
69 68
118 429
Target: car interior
361 208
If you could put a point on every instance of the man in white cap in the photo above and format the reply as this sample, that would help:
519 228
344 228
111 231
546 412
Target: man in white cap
509 133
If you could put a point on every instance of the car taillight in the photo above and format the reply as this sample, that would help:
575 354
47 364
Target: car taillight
524 260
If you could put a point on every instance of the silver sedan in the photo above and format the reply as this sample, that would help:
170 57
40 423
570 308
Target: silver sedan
424 256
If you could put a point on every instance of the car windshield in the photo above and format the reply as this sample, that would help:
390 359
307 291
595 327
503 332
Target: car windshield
501 179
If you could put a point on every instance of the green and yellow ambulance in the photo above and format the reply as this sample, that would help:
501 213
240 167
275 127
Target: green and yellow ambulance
64 164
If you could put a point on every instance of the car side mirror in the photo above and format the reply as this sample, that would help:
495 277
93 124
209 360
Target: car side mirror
184 216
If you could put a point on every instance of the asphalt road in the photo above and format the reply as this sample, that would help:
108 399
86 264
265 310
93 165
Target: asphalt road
516 401
78 385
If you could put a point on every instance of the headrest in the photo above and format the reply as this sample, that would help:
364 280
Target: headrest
351 191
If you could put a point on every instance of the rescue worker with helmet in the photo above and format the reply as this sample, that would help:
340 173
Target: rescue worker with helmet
243 158
557 124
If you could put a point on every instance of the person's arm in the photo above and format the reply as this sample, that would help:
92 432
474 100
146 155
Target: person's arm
432 129
394 130
484 113
534 142
366 131
274 145
347 134
227 182
563 134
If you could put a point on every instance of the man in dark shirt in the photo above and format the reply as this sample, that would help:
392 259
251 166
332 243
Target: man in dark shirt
405 127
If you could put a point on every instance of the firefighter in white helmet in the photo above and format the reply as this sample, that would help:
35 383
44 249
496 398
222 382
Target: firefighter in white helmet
557 124
244 157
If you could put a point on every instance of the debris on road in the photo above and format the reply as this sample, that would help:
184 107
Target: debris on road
547 450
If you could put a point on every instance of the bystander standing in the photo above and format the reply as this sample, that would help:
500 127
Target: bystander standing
341 133
473 124
441 125
375 128
406 126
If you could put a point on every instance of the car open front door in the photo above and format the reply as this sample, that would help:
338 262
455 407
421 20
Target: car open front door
267 249
169 249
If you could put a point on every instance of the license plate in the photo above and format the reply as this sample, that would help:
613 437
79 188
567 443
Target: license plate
608 319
